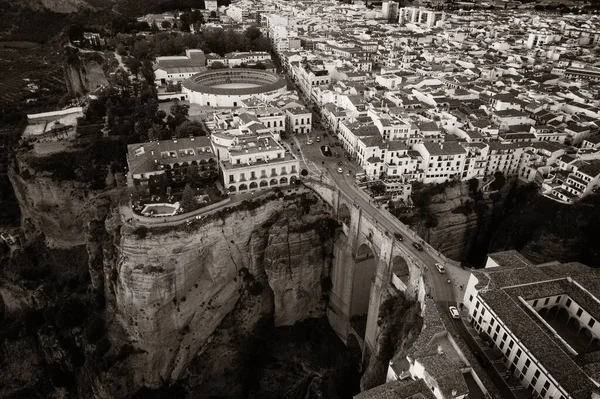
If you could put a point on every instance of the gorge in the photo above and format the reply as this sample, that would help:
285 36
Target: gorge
95 307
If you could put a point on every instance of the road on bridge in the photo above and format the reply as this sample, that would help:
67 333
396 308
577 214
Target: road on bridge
312 157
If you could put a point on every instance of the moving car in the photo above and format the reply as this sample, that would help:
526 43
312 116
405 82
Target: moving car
418 246
398 236
440 268
340 170
454 312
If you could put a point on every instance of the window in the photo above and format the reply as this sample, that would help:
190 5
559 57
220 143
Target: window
231 179
568 303
535 303
493 321
519 352
471 298
579 312
511 343
498 328
477 305
557 299
527 362
504 337
536 374
483 311
591 322
546 301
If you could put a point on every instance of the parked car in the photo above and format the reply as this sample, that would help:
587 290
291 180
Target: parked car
398 236
309 142
440 268
318 139
454 312
418 246
340 170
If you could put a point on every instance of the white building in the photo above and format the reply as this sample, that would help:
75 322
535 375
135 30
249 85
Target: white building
211 5
442 161
254 162
298 120
178 68
542 318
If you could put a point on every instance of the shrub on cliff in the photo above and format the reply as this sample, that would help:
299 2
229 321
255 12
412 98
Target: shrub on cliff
400 322
140 232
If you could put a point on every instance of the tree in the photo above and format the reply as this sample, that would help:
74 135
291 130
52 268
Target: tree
133 64
154 27
157 132
165 24
378 188
253 32
196 18
304 172
75 32
188 200
260 65
179 114
120 49
498 182
190 128
217 65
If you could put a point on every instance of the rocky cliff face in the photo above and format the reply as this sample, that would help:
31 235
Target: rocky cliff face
171 289
59 210
461 232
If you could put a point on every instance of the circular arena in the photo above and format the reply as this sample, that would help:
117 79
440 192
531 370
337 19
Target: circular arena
227 87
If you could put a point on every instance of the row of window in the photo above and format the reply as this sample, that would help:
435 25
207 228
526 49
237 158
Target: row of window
521 373
263 174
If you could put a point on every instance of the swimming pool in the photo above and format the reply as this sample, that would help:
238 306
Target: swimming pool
160 209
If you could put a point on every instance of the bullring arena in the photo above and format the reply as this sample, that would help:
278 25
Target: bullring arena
227 87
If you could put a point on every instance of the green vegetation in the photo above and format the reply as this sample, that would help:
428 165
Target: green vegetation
89 163
568 235
214 40
401 323
422 194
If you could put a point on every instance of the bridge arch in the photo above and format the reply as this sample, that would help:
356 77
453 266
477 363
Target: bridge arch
365 265
344 214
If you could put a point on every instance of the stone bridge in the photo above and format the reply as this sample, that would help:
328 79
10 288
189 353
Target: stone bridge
368 261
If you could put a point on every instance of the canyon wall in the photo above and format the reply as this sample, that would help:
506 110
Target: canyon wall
171 288
57 209
462 227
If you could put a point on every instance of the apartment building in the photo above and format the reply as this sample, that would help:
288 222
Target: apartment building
254 162
155 164
442 161
542 318
419 15
583 179
178 68
298 120
311 74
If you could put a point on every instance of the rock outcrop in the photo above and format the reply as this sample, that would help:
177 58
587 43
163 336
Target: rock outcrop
462 232
171 288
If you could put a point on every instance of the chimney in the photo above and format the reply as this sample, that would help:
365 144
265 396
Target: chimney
454 392
440 350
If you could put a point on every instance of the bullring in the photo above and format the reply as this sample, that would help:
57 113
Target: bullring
228 87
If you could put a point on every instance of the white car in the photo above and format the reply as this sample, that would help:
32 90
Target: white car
340 170
454 312
440 268
309 142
